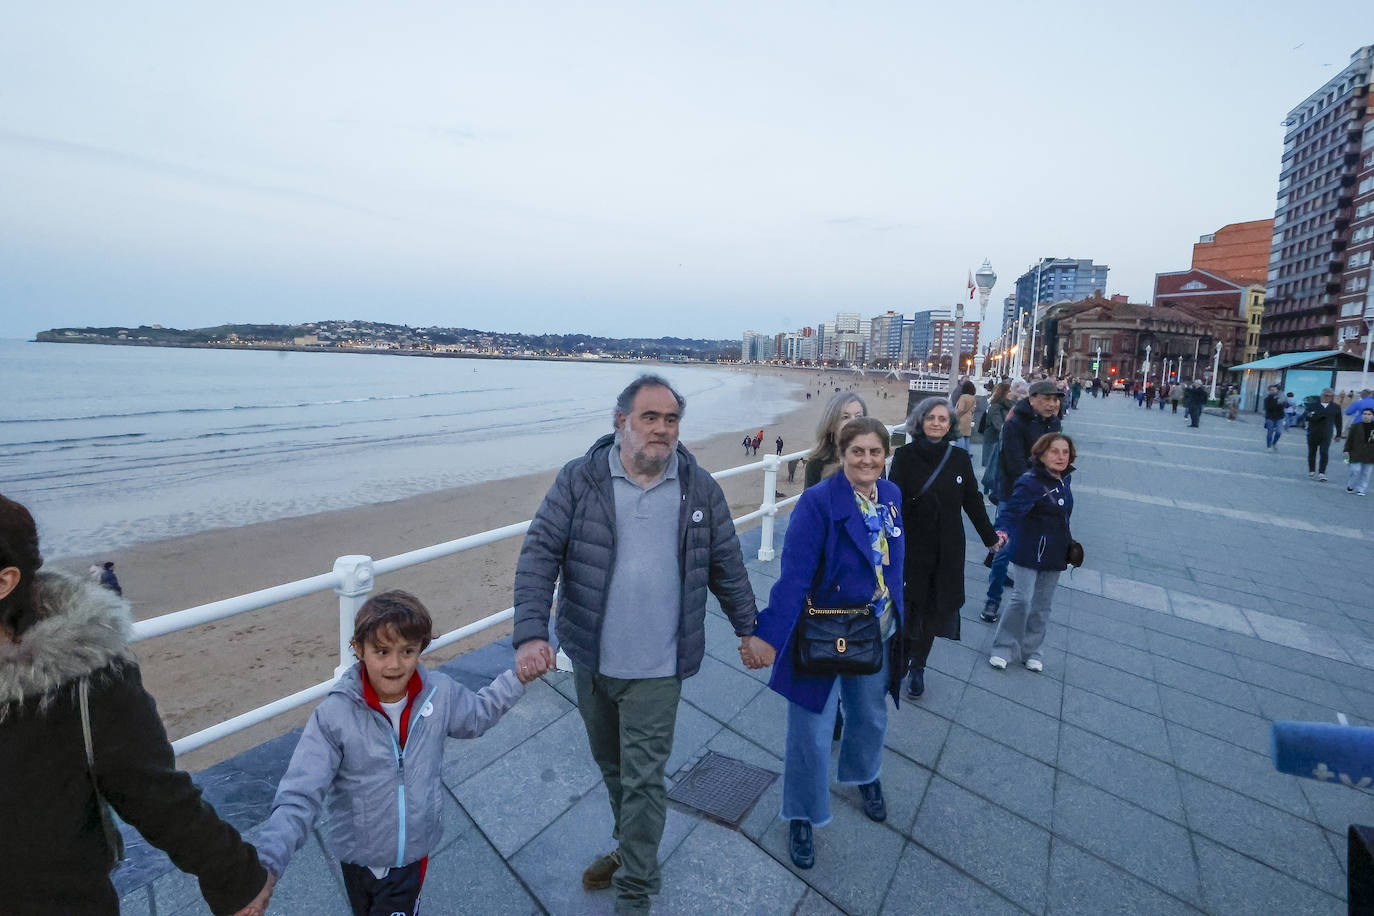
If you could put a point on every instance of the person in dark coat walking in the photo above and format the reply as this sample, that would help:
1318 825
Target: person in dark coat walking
64 643
1359 445
937 484
108 578
1323 420
1030 419
1193 398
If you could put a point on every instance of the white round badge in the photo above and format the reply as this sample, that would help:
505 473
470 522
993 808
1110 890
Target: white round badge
697 516
959 478
896 532
427 710
1061 502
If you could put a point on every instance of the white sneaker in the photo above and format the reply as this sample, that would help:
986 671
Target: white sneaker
1321 478
1312 474
1034 664
998 662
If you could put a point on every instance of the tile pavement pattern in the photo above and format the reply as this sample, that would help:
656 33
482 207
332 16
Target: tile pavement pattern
1223 590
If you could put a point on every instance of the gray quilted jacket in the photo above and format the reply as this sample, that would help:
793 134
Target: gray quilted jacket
574 533
382 802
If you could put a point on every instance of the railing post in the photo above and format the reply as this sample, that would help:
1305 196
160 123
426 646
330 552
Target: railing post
355 574
769 506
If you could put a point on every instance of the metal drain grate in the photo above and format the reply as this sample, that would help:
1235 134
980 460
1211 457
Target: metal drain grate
722 787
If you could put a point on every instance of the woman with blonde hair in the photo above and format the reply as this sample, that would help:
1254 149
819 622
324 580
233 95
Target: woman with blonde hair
824 459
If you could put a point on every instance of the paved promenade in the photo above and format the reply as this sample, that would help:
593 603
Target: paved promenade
1223 590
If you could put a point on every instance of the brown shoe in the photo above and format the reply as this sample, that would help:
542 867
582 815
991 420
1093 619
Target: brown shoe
598 874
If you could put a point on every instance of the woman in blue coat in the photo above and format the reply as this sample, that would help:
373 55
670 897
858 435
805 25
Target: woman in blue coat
1035 519
844 547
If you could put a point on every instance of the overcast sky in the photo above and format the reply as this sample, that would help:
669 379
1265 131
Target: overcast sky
692 169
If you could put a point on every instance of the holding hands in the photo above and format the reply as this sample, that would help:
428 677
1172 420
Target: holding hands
1001 540
533 660
755 652
258 905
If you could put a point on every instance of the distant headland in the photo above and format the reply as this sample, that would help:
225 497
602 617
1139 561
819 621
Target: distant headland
402 340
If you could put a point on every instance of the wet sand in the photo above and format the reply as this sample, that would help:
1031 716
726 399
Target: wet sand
213 672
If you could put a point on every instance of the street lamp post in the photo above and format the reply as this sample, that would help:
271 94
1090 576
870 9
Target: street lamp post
1368 338
1097 371
1216 363
986 278
1145 370
958 345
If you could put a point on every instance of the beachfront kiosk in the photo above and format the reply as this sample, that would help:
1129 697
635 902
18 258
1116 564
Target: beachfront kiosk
1305 374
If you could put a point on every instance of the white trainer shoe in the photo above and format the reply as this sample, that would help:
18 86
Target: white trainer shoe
1034 664
998 662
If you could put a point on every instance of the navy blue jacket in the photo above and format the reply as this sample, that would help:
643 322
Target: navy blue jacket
1036 519
828 547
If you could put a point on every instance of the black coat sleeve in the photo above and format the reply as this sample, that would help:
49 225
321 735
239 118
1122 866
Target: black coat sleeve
1015 449
136 771
973 503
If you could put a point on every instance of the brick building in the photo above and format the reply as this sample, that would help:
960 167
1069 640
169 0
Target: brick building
1237 250
1217 296
1184 334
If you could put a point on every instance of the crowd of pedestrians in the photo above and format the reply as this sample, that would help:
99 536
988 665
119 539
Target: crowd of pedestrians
628 541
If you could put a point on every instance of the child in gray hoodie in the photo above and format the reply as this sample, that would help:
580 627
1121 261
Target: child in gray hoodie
371 756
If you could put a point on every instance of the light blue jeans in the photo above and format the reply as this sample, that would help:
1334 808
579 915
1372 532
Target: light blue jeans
1358 478
806 756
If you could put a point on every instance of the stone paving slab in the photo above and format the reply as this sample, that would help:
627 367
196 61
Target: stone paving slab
1132 776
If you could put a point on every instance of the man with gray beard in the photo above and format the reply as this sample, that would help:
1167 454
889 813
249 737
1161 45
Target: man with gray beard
639 532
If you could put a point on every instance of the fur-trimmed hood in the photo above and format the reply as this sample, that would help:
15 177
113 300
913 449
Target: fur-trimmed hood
82 628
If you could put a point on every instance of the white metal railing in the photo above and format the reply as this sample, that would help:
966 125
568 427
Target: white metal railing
353 577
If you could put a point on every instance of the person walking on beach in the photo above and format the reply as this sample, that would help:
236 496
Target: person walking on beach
1323 420
371 757
1029 420
638 532
1193 399
109 579
1275 407
1359 445
778 443
748 444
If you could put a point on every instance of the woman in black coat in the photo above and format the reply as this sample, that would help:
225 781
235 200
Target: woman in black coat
59 634
934 567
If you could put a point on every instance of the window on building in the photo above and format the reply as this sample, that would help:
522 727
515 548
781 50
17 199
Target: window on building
1359 259
1105 343
1352 309
1357 284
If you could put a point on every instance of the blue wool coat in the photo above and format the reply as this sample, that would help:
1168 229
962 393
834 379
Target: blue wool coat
828 548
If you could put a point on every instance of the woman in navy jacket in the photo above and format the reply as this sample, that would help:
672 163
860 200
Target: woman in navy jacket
844 547
1036 521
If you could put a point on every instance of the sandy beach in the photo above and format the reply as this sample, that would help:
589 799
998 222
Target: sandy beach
210 673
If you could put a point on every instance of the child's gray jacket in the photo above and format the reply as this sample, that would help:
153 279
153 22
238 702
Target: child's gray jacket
382 800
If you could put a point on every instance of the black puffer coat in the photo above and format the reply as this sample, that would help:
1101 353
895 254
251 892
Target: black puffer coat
1019 433
54 860
934 566
574 533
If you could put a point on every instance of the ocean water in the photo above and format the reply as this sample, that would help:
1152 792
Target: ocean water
110 446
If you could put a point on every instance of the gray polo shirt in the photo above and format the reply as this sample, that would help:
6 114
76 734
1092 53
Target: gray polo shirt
644 598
